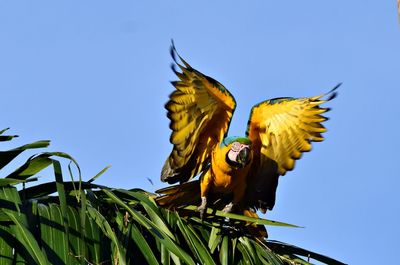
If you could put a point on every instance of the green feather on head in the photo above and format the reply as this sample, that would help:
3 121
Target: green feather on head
243 140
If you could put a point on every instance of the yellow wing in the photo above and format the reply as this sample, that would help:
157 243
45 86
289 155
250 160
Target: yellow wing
200 110
281 130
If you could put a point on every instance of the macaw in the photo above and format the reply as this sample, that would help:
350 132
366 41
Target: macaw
248 167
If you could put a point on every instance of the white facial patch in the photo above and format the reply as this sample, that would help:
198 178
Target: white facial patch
236 147
232 155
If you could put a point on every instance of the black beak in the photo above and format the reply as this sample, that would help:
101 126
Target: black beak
243 157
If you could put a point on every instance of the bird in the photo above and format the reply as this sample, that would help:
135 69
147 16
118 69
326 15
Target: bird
244 170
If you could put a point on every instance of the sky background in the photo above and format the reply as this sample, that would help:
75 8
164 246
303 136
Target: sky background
93 77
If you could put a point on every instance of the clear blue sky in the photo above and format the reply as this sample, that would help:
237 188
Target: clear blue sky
93 77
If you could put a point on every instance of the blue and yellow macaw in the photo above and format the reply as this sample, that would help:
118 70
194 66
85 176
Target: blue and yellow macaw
248 167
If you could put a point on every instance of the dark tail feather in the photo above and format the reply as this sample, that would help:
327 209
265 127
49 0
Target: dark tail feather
188 193
179 195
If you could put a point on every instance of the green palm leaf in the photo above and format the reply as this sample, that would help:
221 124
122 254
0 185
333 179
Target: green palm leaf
77 222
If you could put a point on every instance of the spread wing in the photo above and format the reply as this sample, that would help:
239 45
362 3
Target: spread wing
281 130
200 110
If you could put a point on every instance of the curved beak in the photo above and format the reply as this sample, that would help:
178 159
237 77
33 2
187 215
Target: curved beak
243 156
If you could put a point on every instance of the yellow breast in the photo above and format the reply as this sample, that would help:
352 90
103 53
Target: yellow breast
225 177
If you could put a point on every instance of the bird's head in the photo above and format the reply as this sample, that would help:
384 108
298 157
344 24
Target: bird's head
239 151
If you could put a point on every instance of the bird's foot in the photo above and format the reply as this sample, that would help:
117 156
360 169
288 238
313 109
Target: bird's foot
202 208
228 208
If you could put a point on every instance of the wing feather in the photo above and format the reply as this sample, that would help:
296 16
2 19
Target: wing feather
200 110
281 130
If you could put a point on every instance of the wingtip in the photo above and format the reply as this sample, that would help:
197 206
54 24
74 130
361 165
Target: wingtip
335 87
332 96
173 68
173 51
168 174
175 56
166 170
333 93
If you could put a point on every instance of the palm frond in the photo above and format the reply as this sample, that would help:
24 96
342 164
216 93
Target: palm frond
78 222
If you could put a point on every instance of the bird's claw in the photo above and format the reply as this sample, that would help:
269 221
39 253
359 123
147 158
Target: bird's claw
201 209
228 208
